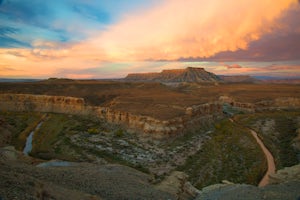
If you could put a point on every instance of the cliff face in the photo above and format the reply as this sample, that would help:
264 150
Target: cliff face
137 123
176 75
42 103
284 103
194 116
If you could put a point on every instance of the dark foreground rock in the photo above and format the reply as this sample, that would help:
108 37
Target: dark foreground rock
283 191
21 179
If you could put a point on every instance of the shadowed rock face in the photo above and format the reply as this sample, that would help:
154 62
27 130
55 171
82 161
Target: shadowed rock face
189 74
284 184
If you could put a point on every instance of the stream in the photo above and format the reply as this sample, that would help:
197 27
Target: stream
28 145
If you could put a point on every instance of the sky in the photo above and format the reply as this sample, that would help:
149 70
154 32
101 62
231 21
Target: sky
91 39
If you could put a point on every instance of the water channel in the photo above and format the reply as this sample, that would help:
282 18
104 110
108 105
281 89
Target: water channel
28 145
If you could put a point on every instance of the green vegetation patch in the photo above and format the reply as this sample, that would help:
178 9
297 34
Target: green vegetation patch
277 130
231 154
52 140
20 124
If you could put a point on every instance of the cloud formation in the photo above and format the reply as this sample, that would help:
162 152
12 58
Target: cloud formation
197 28
85 38
234 66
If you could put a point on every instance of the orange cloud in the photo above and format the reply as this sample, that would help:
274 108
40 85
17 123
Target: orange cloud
234 66
172 29
194 28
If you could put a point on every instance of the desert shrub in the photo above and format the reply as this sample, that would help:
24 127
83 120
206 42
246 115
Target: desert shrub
119 133
280 135
93 131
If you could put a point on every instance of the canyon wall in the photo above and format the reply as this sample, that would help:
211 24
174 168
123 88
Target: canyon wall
194 116
134 122
42 103
278 103
284 102
247 107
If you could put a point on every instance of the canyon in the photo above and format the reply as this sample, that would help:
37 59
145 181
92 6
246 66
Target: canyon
153 127
135 122
194 115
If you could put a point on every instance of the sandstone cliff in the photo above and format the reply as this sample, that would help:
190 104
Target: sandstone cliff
134 122
194 116
42 103
189 74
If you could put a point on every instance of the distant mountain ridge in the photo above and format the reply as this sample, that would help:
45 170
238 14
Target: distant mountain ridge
188 74
238 79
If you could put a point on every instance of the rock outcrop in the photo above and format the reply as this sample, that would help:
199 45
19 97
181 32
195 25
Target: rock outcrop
248 107
285 175
189 74
177 184
278 103
284 184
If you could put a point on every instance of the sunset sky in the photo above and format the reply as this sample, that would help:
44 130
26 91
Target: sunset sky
110 38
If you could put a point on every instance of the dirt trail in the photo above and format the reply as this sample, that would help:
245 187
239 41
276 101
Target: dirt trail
270 160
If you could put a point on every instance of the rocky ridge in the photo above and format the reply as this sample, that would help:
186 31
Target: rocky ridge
284 184
188 74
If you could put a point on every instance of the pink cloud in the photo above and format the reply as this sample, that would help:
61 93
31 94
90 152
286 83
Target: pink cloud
196 28
171 30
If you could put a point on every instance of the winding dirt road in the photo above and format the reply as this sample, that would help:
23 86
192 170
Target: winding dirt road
270 160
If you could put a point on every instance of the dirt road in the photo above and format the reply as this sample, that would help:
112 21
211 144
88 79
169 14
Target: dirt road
270 160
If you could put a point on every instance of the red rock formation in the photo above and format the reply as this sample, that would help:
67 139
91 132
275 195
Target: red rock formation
189 74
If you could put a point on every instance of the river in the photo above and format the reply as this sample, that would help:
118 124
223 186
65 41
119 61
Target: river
28 145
